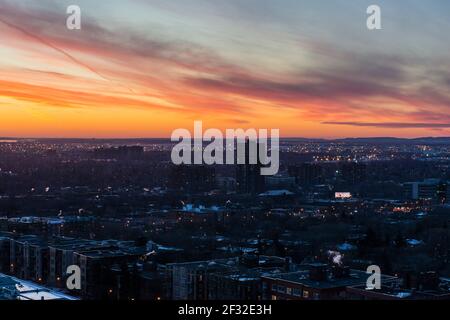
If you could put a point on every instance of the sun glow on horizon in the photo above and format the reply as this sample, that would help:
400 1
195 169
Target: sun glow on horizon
273 67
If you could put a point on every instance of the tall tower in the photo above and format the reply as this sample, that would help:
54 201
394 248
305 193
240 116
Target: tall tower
248 176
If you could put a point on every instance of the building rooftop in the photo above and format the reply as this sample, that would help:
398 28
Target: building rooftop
328 280
27 290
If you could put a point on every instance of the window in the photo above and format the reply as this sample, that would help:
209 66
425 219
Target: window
306 294
289 291
281 289
297 292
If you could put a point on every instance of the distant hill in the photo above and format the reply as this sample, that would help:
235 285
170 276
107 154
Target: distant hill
391 140
372 140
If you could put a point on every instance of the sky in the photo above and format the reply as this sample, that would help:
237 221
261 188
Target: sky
143 68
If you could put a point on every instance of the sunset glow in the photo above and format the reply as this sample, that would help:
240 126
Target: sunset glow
144 68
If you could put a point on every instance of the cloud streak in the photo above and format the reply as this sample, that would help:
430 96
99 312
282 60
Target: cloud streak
394 125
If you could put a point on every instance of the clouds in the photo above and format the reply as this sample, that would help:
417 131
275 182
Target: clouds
395 125
122 58
221 62
47 28
364 80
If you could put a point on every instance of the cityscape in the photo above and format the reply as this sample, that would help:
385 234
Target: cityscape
142 228
220 158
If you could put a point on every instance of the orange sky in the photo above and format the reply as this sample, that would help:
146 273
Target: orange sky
144 76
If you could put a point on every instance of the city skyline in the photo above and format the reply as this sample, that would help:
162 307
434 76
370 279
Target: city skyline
144 68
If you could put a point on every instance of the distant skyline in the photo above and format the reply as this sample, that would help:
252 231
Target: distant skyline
141 69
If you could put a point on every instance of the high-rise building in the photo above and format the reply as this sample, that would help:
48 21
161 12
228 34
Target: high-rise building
306 174
248 176
354 172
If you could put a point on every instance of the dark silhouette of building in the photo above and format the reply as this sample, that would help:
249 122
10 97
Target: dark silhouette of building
248 176
192 178
354 172
306 174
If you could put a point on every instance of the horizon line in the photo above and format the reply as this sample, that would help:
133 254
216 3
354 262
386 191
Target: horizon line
168 138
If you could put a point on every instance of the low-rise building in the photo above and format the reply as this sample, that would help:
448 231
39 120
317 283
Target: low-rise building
316 282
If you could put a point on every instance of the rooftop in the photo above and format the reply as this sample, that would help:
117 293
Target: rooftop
353 278
27 290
